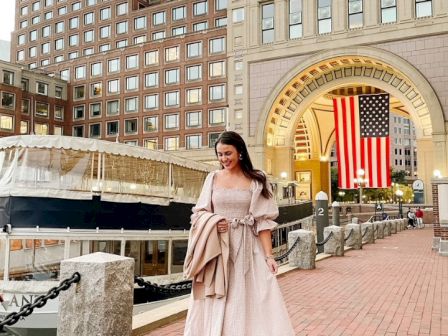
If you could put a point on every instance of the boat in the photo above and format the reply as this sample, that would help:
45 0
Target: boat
63 197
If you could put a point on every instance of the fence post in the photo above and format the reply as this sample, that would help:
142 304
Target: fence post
304 255
353 236
334 246
101 303
321 217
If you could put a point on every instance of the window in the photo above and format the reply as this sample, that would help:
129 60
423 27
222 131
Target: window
140 39
221 22
95 110
423 8
220 4
96 89
152 79
172 54
171 121
140 23
42 109
78 131
48 3
238 15
73 55
113 107
87 51
150 124
73 23
152 102
45 48
90 2
131 62
194 96
89 18
33 35
179 31
35 20
42 88
194 49
158 18
59 44
80 72
179 13
217 69
172 76
79 92
59 112
193 141
21 39
172 143
217 92
65 74
295 19
131 105
355 19
6 123
130 126
20 55
96 69
95 130
132 83
41 129
122 8
212 138
113 86
200 26
105 14
8 100
216 117
59 27
267 23
158 35
48 15
152 57
76 6
122 27
194 72
46 31
25 106
388 11
36 6
194 119
113 65
217 45
73 40
23 24
104 47
24 127
8 77
104 32
200 8
58 92
151 143
324 16
32 65
172 99
112 128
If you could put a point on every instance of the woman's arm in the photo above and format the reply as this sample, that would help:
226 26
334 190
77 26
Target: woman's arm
266 243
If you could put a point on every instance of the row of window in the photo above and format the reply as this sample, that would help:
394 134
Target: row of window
406 163
7 125
172 54
41 87
407 152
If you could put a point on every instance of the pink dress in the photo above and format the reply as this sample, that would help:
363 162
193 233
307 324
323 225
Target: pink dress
254 305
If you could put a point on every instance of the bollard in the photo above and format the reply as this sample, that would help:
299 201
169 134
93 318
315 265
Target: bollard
375 230
101 303
380 230
393 226
336 210
398 225
321 217
335 245
367 231
304 255
355 239
386 228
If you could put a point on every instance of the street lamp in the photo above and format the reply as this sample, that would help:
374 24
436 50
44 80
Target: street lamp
399 194
361 182
341 195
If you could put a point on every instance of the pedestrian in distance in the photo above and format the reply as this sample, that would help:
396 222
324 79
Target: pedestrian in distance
229 256
419 218
411 219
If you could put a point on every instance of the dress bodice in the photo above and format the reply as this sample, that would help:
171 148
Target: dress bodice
231 203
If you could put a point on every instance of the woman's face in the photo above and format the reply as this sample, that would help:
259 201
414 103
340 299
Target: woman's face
228 156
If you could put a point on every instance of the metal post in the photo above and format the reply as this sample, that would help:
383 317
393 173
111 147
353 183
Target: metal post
336 209
360 193
321 217
400 207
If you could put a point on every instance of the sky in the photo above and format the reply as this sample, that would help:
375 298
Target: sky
7 10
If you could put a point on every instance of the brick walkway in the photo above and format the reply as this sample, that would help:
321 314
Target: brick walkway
396 286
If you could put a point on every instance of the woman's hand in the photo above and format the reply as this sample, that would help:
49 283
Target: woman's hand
272 264
222 226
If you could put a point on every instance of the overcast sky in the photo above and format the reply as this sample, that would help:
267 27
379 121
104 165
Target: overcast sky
7 9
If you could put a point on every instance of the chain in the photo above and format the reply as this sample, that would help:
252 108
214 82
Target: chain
163 289
365 232
287 253
325 240
40 301
349 234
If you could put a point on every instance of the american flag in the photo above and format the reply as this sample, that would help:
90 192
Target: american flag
362 140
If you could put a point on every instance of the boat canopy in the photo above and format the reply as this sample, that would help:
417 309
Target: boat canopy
79 168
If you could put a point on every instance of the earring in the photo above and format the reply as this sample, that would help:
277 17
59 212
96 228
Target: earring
241 157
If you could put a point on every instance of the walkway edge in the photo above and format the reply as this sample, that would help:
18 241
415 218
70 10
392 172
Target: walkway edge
149 321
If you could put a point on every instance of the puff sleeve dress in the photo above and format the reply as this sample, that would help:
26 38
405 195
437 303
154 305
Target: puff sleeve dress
253 305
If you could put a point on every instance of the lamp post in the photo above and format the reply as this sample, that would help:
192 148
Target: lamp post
361 182
341 195
399 194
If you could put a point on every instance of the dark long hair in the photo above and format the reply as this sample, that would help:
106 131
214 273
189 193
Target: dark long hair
235 140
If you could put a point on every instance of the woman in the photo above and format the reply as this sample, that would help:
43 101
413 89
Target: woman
235 291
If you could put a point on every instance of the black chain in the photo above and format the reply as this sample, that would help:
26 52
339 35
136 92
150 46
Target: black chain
349 234
325 240
40 301
365 232
287 253
163 289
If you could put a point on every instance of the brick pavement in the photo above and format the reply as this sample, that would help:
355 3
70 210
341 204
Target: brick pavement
396 286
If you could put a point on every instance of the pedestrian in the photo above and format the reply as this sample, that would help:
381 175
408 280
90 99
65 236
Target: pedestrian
229 256
411 219
419 218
